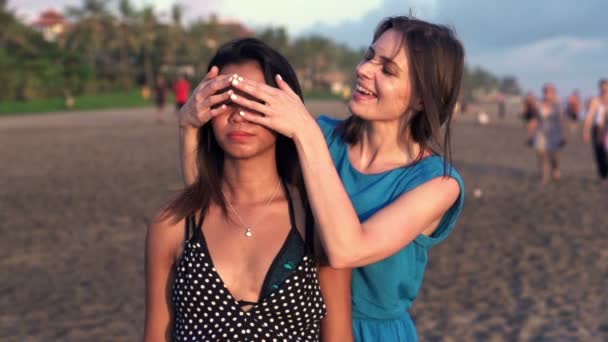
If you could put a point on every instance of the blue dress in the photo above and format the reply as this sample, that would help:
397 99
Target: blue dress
383 292
548 136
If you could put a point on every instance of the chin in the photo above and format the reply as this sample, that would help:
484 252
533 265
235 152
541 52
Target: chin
245 152
240 154
357 110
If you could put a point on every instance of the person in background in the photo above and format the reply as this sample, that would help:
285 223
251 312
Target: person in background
160 97
529 112
546 129
181 88
573 109
594 128
502 105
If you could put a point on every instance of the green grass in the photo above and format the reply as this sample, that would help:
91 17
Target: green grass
126 99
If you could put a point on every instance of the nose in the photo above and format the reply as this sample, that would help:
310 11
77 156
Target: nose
364 69
235 116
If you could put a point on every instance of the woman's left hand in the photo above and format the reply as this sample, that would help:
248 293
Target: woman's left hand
281 111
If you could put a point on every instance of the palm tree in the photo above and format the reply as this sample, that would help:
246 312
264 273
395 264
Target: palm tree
148 24
87 35
175 35
129 42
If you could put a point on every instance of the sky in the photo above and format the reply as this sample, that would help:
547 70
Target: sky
537 41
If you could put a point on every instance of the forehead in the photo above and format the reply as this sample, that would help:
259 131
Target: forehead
390 44
249 69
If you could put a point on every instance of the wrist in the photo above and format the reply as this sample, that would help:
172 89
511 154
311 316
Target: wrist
187 129
308 135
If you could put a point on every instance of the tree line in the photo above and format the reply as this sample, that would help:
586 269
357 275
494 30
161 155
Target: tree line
114 46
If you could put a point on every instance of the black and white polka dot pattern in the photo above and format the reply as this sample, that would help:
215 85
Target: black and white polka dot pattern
206 311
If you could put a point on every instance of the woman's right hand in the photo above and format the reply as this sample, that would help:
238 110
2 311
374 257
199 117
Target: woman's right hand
202 106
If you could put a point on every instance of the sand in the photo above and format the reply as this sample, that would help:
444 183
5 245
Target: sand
525 263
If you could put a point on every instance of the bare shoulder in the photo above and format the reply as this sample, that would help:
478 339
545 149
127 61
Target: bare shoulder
166 233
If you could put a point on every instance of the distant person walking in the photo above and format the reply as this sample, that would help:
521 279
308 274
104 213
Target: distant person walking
546 129
181 88
530 110
160 97
502 105
573 109
594 129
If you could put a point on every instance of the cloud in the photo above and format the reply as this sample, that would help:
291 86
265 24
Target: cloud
487 24
547 55
537 41
358 33
570 62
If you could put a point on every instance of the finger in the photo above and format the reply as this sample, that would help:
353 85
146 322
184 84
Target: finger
218 111
214 100
259 90
204 115
258 119
253 105
212 86
284 86
214 71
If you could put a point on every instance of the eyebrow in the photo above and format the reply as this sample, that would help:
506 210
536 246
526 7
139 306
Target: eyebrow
385 59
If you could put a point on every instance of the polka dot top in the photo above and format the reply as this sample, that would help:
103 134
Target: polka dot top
290 307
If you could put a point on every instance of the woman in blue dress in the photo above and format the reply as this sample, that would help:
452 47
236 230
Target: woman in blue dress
380 183
547 133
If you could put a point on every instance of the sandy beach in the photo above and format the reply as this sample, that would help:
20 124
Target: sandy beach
525 263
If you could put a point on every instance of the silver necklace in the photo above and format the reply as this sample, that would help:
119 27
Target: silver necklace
249 228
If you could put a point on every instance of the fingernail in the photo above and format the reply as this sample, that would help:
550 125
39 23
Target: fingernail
223 106
279 77
233 97
241 113
235 75
240 78
230 91
235 82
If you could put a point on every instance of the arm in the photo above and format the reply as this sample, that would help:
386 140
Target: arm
359 243
336 289
188 141
161 246
195 113
355 243
335 284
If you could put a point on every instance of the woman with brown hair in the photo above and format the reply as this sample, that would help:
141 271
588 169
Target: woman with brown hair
380 183
233 257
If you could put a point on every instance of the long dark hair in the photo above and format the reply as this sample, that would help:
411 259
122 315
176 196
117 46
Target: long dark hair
210 156
436 60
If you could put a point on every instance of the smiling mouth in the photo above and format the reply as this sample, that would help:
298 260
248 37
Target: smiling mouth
360 89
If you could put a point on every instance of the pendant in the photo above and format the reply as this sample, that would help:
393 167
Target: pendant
248 233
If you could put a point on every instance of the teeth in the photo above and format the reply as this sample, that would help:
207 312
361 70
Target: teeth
364 91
